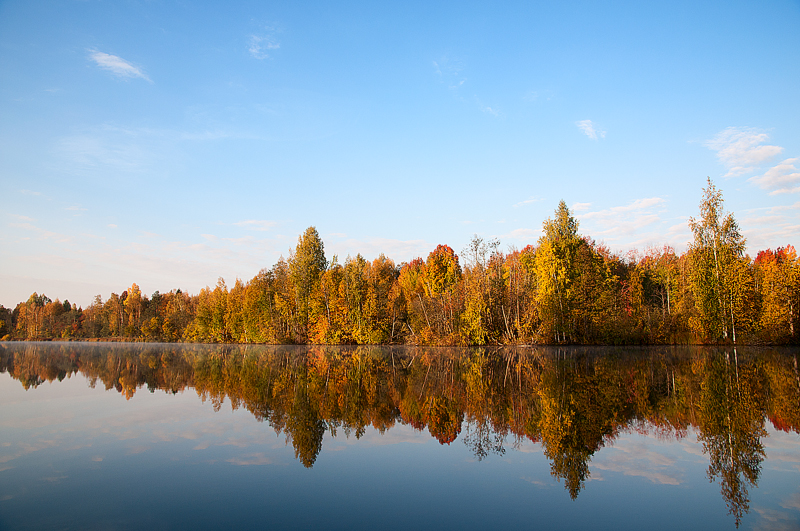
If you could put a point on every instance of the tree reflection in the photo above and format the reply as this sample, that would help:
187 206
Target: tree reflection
304 426
731 426
572 401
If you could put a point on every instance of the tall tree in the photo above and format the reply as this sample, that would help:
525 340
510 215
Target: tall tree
306 266
556 273
715 256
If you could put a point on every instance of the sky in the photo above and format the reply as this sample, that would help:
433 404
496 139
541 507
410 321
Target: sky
173 143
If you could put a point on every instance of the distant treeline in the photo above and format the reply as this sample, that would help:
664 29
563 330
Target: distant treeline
567 289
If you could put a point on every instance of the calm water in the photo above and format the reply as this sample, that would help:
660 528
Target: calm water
206 437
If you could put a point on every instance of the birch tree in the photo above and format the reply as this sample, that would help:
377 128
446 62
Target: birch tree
716 275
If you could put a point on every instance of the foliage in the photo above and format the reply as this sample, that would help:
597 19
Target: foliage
567 289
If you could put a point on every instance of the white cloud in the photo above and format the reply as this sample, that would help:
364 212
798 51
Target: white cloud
590 130
260 46
581 207
117 65
740 149
783 178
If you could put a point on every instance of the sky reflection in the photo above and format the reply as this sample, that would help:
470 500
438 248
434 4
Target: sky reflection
391 447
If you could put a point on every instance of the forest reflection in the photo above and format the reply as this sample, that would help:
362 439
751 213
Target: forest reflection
573 401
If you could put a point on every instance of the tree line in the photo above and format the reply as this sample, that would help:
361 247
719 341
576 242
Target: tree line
571 400
566 289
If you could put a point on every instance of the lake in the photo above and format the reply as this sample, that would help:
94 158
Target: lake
166 436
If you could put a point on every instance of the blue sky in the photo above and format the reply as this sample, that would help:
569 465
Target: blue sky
171 143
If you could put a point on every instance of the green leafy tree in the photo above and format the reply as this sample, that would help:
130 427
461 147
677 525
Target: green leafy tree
716 262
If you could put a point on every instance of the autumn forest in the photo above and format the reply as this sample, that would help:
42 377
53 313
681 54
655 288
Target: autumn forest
566 289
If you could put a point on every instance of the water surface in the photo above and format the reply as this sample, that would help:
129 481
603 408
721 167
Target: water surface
120 436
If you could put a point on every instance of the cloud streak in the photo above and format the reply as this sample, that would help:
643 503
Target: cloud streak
117 65
528 201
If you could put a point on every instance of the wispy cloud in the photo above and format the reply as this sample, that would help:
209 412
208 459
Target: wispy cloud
42 234
774 520
742 149
532 199
540 484
522 235
792 502
771 227
581 207
638 456
29 192
538 95
260 46
622 225
783 178
590 129
489 110
250 459
450 72
614 212
117 65
120 151
256 224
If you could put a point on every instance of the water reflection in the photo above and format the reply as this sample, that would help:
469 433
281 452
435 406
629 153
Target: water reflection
572 401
